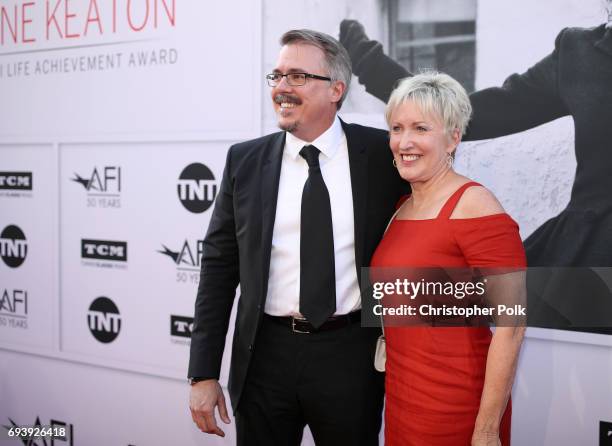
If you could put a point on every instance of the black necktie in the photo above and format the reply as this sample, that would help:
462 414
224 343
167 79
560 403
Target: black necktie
317 265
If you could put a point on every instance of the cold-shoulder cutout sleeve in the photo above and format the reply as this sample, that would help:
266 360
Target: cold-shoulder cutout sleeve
491 241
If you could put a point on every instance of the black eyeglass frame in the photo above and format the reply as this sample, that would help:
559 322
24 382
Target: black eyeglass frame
273 83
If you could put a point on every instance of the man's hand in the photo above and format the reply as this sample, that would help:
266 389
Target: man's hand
203 398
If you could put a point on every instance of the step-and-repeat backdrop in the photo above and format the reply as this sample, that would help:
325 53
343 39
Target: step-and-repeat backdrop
115 118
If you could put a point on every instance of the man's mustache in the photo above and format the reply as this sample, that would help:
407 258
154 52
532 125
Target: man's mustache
280 98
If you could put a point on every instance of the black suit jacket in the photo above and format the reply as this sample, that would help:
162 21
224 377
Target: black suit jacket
238 242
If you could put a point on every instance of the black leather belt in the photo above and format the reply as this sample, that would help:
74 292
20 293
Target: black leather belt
298 325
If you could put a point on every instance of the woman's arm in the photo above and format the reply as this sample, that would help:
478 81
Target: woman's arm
502 289
504 286
501 368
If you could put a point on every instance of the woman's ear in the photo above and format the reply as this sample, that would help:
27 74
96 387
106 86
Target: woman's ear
455 139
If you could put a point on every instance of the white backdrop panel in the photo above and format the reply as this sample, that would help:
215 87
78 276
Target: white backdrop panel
29 292
196 75
133 198
553 404
562 392
184 71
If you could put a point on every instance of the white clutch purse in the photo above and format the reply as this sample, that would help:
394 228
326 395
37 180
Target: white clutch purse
380 355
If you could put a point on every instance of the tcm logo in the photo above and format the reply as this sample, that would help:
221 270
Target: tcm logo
181 326
19 181
14 303
187 257
62 432
605 433
106 180
104 320
104 250
13 246
197 188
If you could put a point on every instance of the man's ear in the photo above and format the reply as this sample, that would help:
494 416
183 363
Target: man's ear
337 90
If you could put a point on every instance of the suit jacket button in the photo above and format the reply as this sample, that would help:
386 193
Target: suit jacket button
250 347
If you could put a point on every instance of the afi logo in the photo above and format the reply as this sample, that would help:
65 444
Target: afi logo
104 250
186 255
14 303
13 246
197 188
181 326
104 320
16 180
105 180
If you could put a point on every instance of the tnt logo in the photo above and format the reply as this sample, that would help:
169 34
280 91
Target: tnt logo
13 246
181 326
104 320
106 180
197 188
16 181
104 250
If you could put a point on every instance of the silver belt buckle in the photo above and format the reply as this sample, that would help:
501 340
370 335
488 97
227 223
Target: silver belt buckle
295 330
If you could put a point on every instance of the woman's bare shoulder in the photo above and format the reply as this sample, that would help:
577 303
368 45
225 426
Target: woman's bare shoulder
477 201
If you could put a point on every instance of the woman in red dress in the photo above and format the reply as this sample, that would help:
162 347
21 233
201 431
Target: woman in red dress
446 386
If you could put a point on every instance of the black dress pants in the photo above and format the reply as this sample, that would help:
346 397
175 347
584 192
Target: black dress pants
325 380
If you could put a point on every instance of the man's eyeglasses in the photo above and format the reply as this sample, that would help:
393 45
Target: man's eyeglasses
293 79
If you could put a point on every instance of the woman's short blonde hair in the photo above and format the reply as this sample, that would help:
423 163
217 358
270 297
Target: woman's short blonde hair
435 94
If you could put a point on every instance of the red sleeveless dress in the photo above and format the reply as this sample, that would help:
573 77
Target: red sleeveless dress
435 375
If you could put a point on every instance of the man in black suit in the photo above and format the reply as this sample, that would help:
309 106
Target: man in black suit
298 214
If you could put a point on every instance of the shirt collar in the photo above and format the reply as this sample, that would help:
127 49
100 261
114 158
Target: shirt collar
328 142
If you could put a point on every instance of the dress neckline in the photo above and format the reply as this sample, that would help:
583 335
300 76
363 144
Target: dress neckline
449 206
500 214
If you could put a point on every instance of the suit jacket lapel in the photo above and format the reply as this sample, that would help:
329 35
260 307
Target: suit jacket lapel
358 161
270 175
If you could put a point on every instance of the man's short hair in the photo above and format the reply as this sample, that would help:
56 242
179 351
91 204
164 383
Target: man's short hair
436 94
336 57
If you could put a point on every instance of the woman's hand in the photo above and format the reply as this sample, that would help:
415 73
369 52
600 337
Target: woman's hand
480 438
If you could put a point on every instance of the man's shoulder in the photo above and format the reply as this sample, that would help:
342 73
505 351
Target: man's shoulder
256 143
366 130
257 147
365 134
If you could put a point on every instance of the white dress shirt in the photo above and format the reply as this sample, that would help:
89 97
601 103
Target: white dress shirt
283 297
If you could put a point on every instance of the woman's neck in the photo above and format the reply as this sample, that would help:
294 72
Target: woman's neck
425 191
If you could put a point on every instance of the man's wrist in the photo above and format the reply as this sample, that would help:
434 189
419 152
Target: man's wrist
197 379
